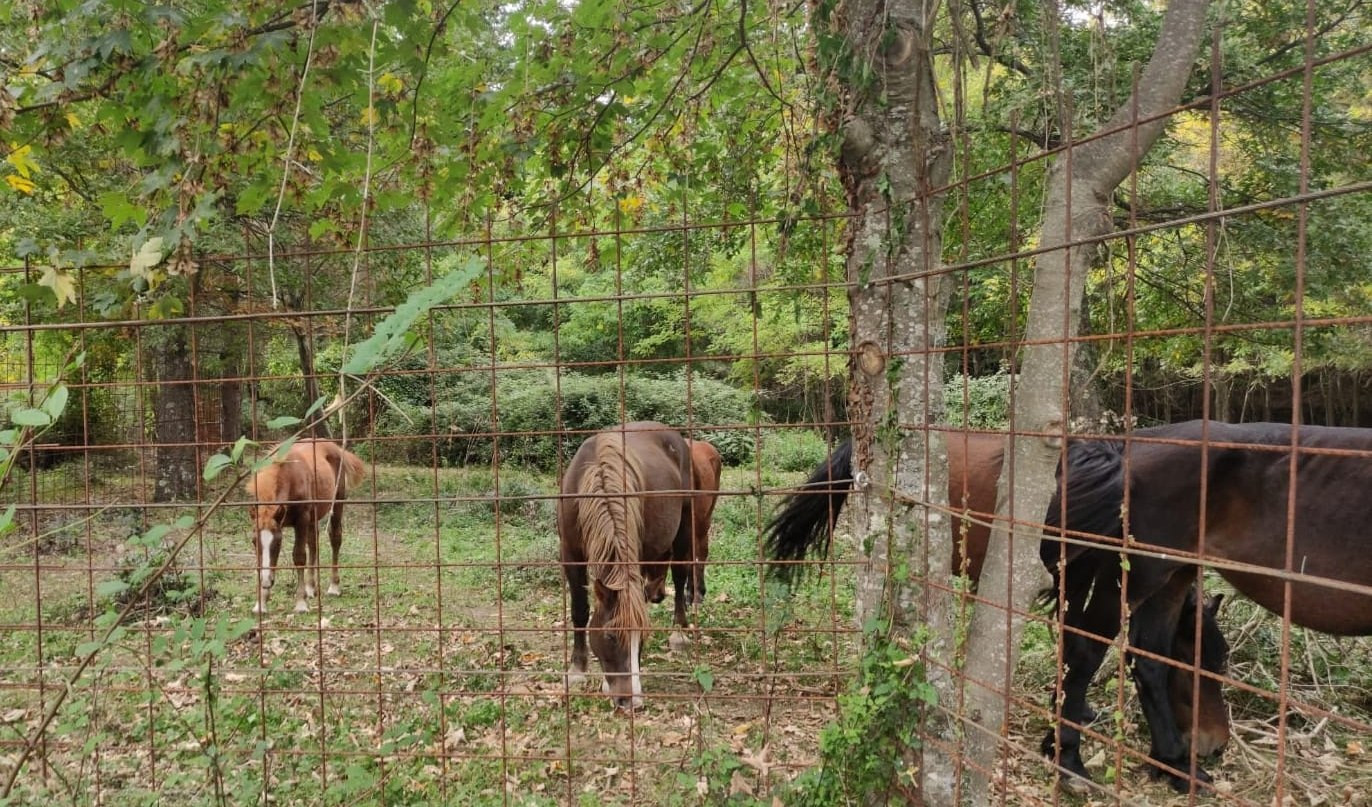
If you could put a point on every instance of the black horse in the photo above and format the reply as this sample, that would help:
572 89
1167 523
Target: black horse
1089 579
1200 492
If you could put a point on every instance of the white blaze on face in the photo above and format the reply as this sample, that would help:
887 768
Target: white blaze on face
265 567
637 683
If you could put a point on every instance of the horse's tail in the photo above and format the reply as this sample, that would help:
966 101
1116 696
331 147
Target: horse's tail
1095 499
805 523
347 466
352 471
610 516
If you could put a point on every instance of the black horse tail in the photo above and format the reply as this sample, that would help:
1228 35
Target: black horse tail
805 523
1095 499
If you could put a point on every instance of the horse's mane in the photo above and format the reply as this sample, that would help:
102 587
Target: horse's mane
611 524
265 485
1095 495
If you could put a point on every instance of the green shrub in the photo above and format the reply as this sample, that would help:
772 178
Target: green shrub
795 450
988 401
535 432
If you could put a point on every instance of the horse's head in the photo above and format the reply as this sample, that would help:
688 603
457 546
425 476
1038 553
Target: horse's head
267 521
617 627
1211 717
655 585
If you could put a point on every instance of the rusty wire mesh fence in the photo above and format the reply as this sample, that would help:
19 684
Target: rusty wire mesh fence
133 669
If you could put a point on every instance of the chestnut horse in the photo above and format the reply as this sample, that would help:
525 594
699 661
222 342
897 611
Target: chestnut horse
804 524
688 563
689 557
624 506
299 490
1241 484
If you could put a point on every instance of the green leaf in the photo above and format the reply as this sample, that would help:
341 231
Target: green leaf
283 422
7 520
111 588
238 447
704 678
36 418
317 405
56 401
389 336
88 648
216 466
184 522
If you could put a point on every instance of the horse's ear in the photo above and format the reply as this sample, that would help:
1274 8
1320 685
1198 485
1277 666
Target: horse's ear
603 593
1212 605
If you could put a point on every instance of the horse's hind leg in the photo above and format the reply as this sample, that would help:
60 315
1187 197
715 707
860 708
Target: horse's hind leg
305 554
335 541
681 580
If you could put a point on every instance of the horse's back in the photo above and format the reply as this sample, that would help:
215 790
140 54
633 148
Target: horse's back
1247 484
663 461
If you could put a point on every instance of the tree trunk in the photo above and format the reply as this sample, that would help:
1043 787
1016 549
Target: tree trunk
305 345
174 418
231 392
1080 185
894 151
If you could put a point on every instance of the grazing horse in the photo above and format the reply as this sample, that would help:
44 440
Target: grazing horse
1229 504
689 557
805 522
298 491
688 562
624 506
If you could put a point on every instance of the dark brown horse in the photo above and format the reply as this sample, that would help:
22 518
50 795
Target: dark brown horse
1231 504
804 524
303 488
624 507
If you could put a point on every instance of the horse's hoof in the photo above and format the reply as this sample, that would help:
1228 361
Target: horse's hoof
301 607
1181 784
309 593
334 590
575 680
678 642
258 608
1049 746
1073 784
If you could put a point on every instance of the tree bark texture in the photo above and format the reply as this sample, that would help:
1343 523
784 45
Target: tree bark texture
1080 184
174 418
894 151
305 346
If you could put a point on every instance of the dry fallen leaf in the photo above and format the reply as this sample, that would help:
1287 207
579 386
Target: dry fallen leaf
1354 748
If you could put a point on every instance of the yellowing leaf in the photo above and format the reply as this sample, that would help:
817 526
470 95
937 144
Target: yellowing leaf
147 256
22 160
63 285
390 82
73 120
19 183
630 204
369 116
313 155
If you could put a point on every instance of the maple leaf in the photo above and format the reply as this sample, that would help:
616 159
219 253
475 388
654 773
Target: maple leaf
147 256
63 285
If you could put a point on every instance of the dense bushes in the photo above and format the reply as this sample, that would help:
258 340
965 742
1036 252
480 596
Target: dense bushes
463 419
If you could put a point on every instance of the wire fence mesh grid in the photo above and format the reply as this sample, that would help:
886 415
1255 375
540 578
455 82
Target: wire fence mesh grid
133 664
